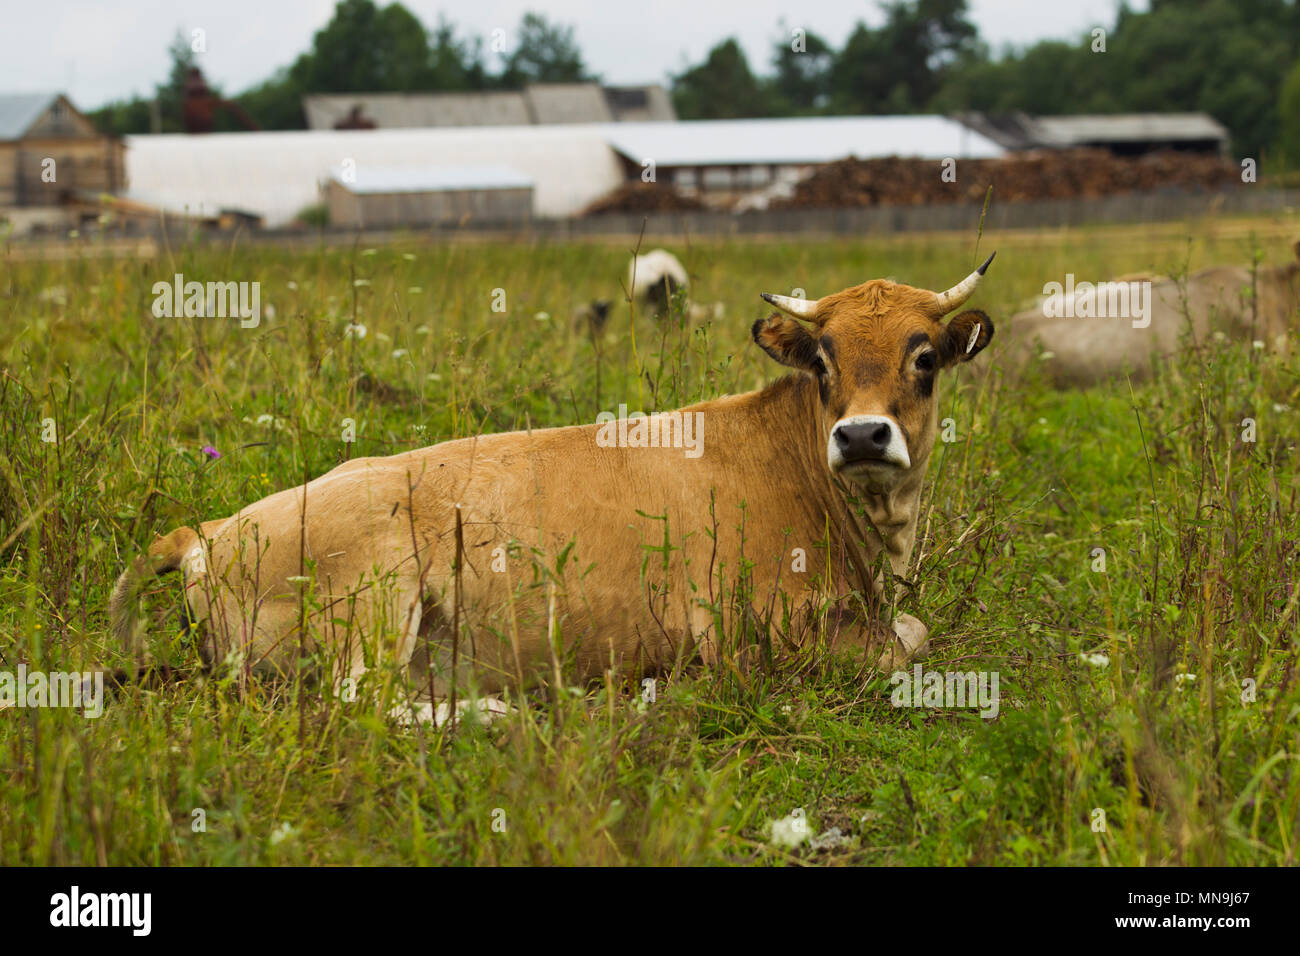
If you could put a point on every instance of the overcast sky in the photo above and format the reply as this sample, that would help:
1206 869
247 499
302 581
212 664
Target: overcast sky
100 50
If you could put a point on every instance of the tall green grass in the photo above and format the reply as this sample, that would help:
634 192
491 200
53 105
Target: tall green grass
1199 594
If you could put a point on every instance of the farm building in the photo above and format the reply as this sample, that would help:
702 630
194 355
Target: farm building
386 198
52 157
278 174
1125 134
535 104
728 159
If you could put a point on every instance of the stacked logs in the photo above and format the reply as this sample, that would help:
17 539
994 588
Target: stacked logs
1042 174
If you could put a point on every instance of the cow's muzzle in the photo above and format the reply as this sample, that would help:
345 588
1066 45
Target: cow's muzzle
867 440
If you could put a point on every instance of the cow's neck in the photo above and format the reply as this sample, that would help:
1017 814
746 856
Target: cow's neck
862 523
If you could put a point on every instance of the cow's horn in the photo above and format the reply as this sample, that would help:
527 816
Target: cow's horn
799 308
945 302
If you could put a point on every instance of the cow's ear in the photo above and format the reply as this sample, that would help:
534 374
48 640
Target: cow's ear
965 336
788 342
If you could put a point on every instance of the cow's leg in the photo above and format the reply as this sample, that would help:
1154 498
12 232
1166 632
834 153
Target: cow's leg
430 677
259 611
384 624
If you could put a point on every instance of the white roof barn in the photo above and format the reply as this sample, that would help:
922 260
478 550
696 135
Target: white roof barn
799 141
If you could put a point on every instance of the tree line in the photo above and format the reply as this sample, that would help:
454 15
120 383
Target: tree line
1238 60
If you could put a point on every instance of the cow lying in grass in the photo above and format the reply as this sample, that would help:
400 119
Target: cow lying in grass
609 547
1085 334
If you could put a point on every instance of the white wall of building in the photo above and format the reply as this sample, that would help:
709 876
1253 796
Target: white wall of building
277 174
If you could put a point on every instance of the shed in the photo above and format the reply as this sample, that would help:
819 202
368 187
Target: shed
386 197
1131 134
1125 134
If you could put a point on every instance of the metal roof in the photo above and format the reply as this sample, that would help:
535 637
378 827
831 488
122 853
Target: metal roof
19 111
797 141
423 179
567 103
1121 127
537 103
418 110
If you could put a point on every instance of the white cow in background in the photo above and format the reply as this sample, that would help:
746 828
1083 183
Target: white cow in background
654 278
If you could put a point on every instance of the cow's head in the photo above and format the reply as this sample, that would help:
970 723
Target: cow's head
875 351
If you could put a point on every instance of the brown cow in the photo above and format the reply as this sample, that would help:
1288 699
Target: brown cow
1082 336
609 545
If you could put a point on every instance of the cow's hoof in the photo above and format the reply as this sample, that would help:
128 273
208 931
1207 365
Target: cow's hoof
913 635
911 642
482 710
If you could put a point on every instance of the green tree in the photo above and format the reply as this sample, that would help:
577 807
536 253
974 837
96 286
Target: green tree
366 49
276 103
545 53
171 94
722 87
123 117
801 82
454 63
900 67
1288 111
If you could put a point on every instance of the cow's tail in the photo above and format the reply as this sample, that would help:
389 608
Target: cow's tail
166 554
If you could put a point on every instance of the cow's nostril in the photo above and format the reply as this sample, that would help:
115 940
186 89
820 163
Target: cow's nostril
842 438
880 436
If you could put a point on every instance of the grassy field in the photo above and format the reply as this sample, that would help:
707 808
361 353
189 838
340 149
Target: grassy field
1126 693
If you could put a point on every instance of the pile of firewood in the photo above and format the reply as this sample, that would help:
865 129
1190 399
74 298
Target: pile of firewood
644 197
1042 174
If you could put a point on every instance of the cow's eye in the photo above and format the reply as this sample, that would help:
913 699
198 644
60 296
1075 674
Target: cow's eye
819 367
925 362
